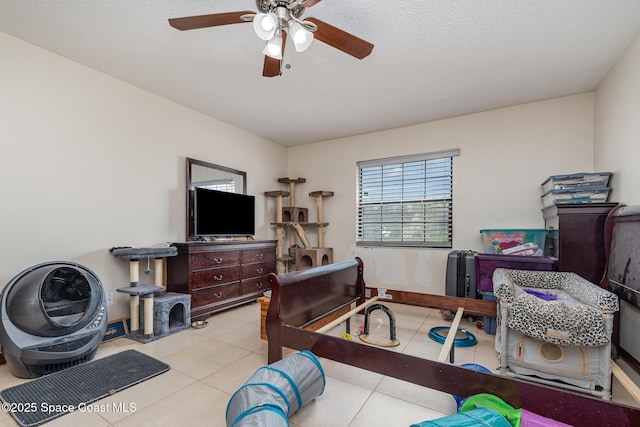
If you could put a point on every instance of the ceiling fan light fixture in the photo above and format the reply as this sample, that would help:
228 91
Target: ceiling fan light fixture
265 25
301 37
274 47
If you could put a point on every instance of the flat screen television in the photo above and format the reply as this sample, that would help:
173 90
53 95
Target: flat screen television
223 214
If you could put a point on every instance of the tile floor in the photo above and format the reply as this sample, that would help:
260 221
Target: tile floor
208 365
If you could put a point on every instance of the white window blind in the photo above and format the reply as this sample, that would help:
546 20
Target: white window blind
227 185
223 185
406 201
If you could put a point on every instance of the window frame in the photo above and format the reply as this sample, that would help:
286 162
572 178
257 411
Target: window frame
407 216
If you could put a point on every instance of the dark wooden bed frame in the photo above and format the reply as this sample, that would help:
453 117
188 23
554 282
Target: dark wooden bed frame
302 298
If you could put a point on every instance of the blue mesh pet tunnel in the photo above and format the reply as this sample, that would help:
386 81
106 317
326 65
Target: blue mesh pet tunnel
276 391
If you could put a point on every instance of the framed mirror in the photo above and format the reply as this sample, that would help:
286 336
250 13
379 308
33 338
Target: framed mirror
210 176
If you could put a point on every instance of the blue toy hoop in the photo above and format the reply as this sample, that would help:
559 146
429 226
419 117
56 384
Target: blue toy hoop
469 339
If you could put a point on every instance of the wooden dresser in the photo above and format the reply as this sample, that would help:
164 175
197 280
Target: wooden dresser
220 275
580 246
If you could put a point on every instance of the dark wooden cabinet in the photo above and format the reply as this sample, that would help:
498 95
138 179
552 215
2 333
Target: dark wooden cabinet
220 275
580 237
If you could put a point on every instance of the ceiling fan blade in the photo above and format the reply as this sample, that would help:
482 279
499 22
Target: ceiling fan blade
204 21
311 3
348 43
272 67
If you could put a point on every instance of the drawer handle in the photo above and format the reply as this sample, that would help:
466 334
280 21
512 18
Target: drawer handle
217 295
217 260
259 285
217 277
259 270
259 256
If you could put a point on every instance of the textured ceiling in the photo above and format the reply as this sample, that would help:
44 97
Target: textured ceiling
432 59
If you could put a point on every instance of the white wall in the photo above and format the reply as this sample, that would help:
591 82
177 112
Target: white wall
617 149
89 162
505 155
617 126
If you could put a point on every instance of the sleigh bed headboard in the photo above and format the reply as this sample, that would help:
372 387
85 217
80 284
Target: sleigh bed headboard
304 297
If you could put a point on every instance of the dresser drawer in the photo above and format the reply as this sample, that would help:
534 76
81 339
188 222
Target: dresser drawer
215 276
258 255
258 284
214 294
258 269
206 260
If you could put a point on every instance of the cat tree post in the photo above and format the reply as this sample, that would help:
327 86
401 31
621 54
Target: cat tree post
159 271
294 214
319 195
302 235
135 291
134 300
292 187
279 227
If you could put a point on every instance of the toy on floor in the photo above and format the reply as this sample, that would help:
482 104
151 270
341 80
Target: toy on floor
476 417
276 391
463 337
375 334
446 315
517 417
459 399
449 316
489 410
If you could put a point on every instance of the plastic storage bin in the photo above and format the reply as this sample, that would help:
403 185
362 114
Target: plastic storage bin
576 195
571 181
489 323
486 264
523 242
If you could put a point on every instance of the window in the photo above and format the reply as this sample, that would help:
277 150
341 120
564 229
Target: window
406 201
221 185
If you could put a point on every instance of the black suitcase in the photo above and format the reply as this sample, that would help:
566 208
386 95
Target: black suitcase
461 274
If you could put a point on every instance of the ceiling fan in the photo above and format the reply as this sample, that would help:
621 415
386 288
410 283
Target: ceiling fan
276 19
